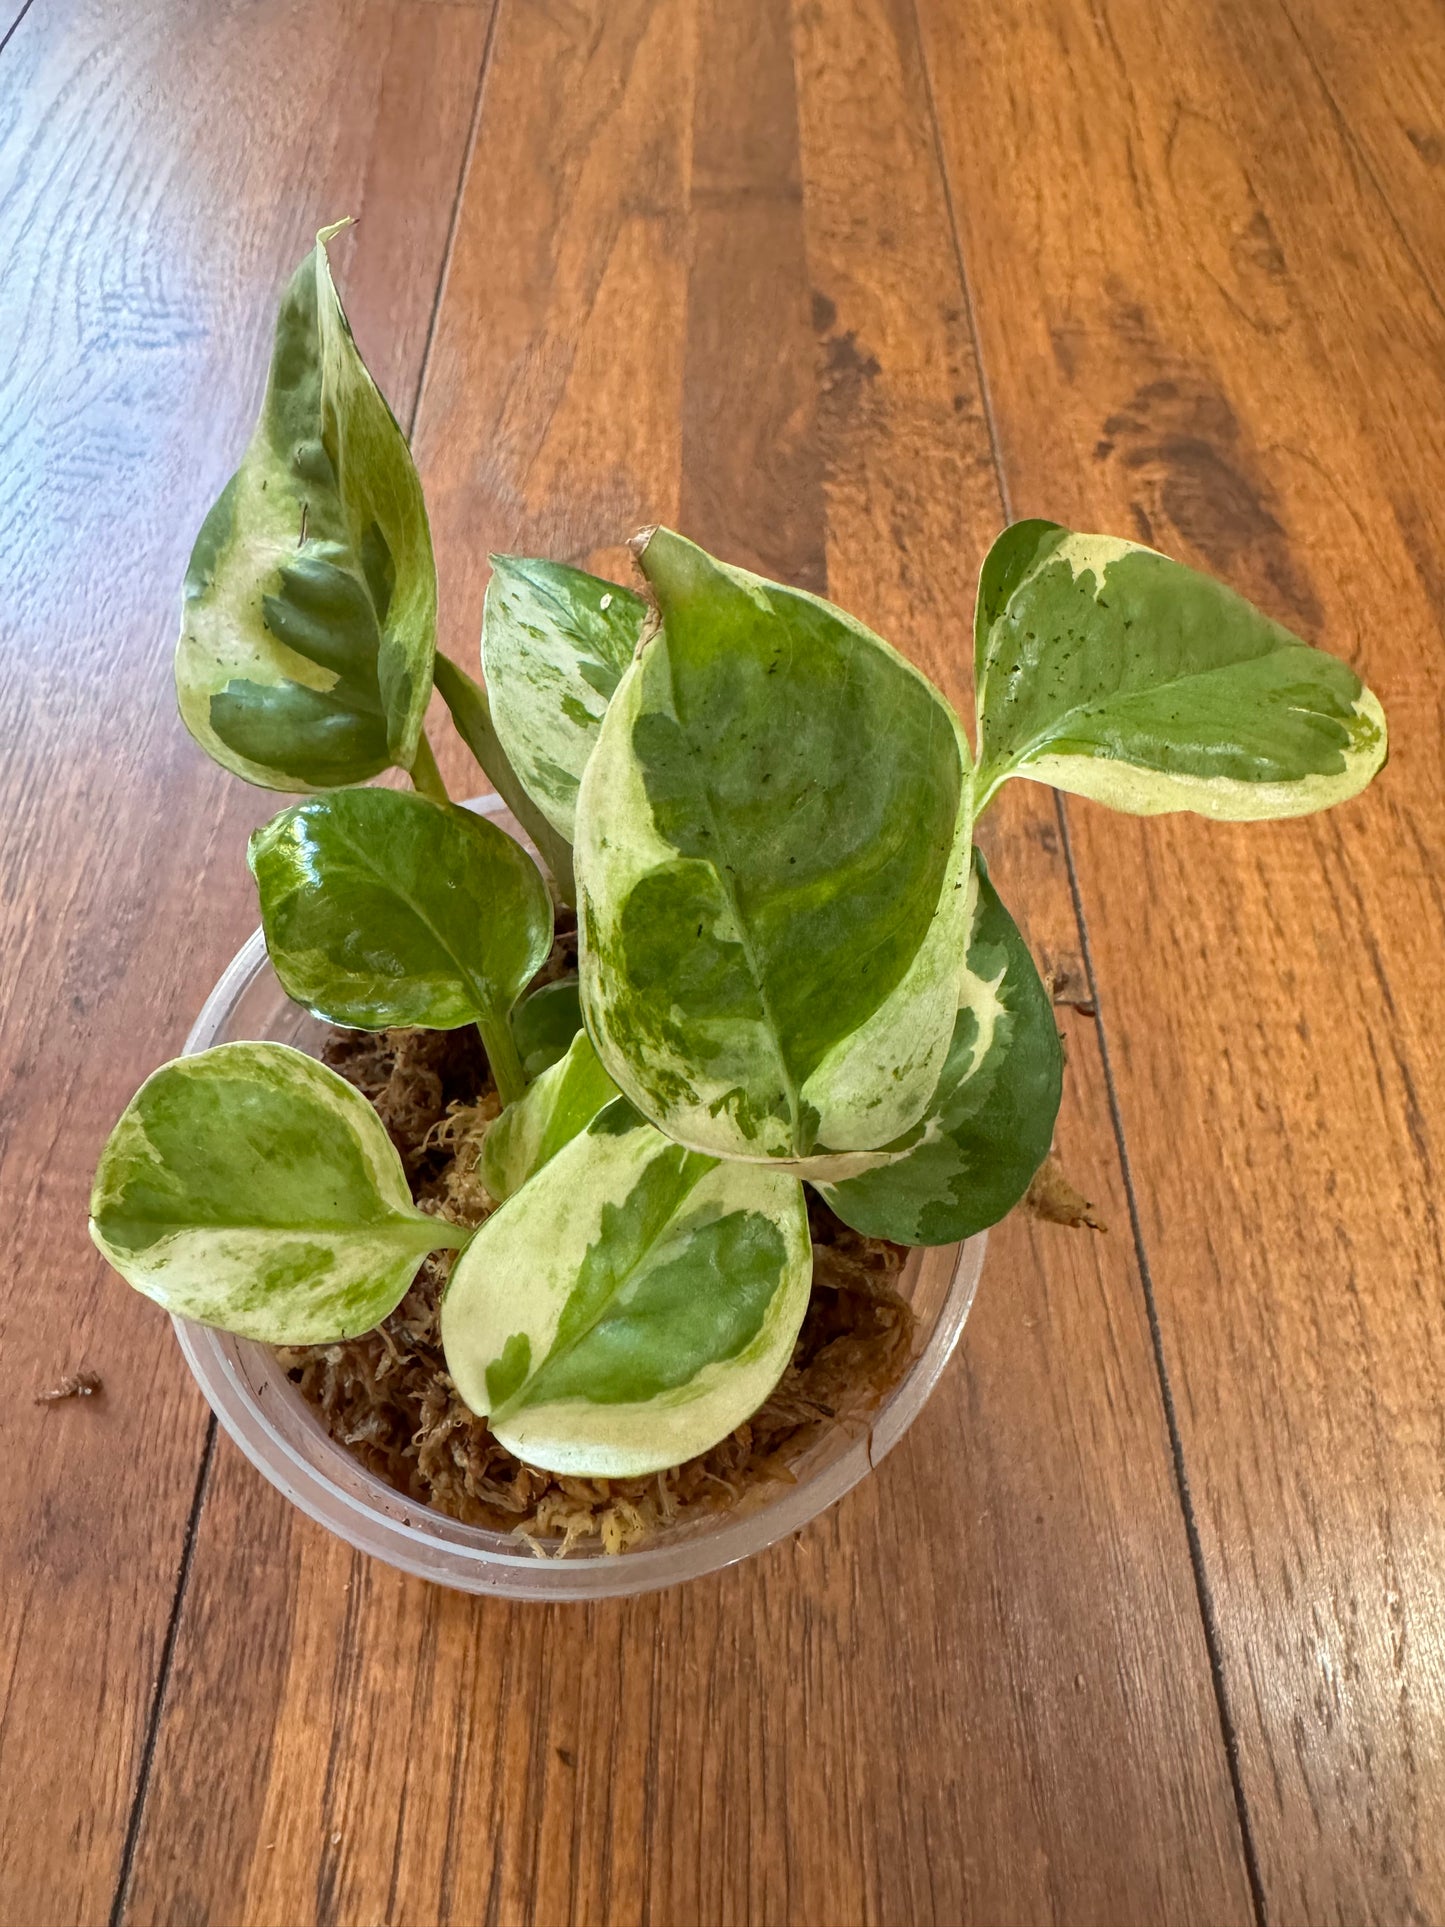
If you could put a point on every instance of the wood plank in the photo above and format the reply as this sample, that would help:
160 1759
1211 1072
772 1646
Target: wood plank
1199 331
979 1690
143 152
752 481
1381 67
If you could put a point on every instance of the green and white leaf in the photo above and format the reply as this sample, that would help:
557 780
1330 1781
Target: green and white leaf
990 1123
563 1101
1108 670
381 908
544 1024
308 620
472 714
252 1188
629 1306
772 859
555 645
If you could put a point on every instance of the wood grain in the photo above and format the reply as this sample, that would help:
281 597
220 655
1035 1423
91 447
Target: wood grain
161 169
1380 72
979 1690
706 267
1216 337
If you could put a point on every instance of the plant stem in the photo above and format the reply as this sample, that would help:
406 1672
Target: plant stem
425 775
501 1049
472 714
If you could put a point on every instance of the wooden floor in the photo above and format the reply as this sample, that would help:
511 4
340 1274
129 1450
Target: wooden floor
1145 1621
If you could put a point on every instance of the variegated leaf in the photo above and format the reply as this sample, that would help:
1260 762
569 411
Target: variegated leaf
563 1101
555 644
631 1305
308 623
990 1122
772 859
381 908
252 1188
1107 669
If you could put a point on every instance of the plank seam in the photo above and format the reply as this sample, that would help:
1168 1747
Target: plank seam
462 176
940 161
1212 1642
14 24
1204 1598
168 1650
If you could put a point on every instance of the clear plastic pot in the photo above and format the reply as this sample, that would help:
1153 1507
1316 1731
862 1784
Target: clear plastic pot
283 1438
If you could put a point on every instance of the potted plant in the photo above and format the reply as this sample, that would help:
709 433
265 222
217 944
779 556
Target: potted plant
795 979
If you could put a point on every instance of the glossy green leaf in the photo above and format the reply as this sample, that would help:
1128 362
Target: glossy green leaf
252 1188
544 1024
381 908
555 645
563 1101
1104 668
472 714
772 859
631 1305
990 1123
308 622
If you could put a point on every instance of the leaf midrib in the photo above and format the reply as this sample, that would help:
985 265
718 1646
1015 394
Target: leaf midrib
723 873
350 1228
483 1005
519 1397
1013 758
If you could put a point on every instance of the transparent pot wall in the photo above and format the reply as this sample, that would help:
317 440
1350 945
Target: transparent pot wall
283 1438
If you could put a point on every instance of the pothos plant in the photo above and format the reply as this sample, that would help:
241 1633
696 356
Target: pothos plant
795 968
